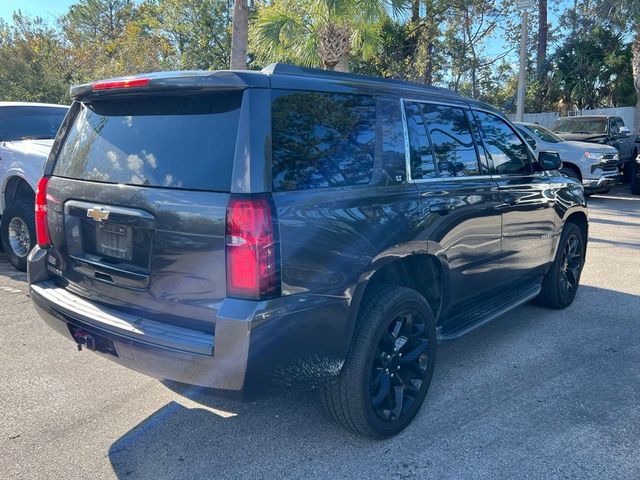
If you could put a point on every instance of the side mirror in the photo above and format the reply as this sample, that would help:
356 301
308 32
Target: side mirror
625 131
549 161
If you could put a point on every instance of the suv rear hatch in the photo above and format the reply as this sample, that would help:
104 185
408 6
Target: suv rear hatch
137 203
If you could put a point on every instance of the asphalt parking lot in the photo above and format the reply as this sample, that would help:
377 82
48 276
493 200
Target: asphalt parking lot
534 394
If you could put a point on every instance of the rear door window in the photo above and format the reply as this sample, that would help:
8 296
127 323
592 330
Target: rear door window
173 142
321 139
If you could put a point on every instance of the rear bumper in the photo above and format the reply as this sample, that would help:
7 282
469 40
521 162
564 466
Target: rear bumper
255 343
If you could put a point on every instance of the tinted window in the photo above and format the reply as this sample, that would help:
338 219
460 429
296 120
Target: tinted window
21 123
508 152
173 142
322 139
421 154
452 140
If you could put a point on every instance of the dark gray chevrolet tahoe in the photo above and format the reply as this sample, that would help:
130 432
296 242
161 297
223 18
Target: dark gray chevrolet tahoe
226 229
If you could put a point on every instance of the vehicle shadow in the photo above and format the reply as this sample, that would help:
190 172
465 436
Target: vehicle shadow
534 384
7 270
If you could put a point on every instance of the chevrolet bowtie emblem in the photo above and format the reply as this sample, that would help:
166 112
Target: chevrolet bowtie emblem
98 213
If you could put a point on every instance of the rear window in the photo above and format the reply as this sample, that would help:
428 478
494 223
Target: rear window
173 142
30 123
322 139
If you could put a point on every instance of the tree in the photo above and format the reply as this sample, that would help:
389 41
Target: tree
107 38
33 62
543 33
239 37
321 32
197 30
588 68
626 13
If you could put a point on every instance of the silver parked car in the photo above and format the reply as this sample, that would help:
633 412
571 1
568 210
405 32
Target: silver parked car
596 166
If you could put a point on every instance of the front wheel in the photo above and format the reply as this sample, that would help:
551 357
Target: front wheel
388 371
635 181
560 284
18 232
570 172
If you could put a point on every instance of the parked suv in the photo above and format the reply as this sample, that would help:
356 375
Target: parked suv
294 225
596 166
602 130
27 131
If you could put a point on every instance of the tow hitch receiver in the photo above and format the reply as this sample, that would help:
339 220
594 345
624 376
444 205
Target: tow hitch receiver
82 337
92 342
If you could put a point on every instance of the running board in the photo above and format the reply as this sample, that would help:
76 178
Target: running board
465 320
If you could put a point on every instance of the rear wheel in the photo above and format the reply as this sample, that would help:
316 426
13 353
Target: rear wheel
560 284
18 232
387 374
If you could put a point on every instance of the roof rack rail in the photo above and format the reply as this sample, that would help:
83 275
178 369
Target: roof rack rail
295 70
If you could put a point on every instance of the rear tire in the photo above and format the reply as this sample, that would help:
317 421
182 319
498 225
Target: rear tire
18 232
388 371
560 284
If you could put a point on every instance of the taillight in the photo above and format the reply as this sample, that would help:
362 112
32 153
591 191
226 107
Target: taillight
253 269
124 83
42 228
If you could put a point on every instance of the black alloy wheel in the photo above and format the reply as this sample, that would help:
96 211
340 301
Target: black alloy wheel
399 365
387 373
571 266
561 282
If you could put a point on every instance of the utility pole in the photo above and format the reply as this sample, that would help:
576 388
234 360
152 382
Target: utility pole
523 6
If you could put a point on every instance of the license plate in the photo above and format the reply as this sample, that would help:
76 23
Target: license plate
113 241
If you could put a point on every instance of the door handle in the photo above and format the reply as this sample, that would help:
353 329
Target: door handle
441 208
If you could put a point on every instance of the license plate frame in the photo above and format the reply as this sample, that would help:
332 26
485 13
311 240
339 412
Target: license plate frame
114 241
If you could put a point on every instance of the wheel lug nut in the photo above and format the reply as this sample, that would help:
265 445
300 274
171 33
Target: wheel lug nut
398 367
392 375
386 370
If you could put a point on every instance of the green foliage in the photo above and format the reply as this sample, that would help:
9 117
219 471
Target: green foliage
32 65
198 31
321 32
439 42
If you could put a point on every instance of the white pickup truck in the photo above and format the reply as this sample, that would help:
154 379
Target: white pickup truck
27 131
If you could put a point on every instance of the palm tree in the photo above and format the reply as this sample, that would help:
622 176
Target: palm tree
627 13
321 32
239 35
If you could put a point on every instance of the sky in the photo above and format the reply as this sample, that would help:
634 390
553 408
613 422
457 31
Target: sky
47 9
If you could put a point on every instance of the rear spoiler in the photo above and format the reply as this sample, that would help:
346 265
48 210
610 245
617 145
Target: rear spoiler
198 81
